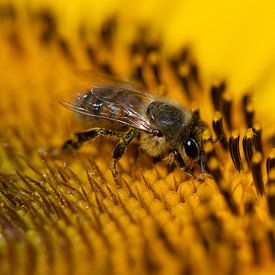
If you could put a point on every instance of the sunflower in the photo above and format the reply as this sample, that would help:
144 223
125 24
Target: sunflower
64 213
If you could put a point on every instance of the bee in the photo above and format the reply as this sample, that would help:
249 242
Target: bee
163 129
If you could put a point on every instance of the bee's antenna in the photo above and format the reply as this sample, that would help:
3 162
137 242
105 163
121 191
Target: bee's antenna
202 164
220 138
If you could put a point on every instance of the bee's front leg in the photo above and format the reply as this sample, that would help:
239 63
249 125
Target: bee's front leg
83 136
119 150
180 162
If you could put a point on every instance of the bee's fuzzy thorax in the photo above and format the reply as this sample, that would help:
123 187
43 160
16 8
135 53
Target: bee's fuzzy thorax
154 146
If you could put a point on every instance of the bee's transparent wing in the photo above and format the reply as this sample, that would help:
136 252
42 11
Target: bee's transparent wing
119 103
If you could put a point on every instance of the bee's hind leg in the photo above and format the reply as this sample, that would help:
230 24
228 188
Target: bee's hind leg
83 136
119 150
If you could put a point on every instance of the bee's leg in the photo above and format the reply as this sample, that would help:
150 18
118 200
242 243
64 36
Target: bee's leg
86 135
119 150
202 164
180 162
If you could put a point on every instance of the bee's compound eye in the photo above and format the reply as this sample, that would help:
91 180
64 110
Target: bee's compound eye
191 148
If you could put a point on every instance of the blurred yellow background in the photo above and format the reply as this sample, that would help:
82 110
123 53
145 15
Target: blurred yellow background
230 39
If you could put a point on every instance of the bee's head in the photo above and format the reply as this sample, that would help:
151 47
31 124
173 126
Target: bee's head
190 147
191 142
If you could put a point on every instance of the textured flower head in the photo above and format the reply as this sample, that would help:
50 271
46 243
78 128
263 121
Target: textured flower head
64 213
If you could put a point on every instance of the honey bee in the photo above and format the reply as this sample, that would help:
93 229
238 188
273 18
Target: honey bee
163 129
